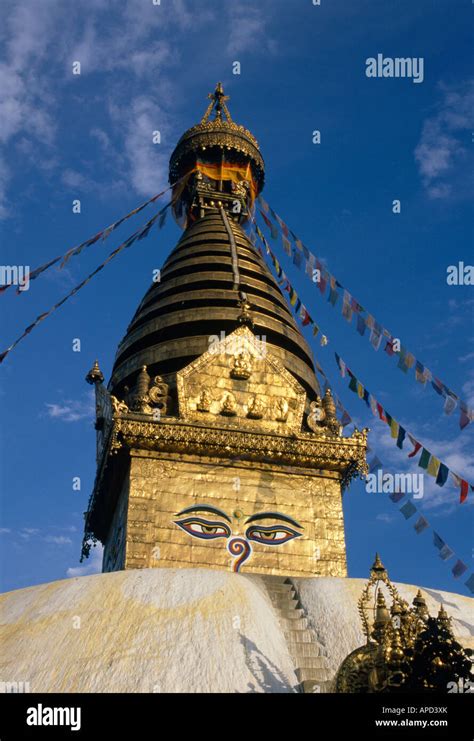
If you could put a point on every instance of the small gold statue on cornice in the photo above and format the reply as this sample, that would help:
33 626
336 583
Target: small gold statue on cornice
118 406
256 408
242 366
229 406
283 409
205 401
245 316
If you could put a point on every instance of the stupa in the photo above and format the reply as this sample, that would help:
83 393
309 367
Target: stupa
221 470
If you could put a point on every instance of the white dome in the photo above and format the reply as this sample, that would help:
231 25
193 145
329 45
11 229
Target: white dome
179 630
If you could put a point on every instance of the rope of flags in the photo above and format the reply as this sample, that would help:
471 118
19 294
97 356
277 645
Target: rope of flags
364 321
428 461
136 236
103 234
432 465
408 509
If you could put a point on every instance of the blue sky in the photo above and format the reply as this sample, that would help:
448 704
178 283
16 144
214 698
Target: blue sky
88 137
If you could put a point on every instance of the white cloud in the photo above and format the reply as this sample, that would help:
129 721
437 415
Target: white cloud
455 453
383 517
248 30
147 163
93 564
72 410
58 539
141 44
27 532
468 388
444 162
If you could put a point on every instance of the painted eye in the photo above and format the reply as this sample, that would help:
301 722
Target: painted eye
272 535
205 529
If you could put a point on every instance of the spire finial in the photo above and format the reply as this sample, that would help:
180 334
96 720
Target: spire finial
95 375
218 103
378 569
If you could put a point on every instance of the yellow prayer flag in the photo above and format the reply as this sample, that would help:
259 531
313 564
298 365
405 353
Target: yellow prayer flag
433 466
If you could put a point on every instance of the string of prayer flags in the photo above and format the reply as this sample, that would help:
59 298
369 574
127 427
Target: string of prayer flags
364 321
138 235
102 235
375 464
433 466
429 462
408 510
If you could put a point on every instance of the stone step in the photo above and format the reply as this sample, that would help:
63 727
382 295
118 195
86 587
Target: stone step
302 650
295 614
311 686
281 589
311 662
314 675
285 603
296 624
300 636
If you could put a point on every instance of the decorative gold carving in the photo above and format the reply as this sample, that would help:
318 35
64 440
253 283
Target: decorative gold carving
268 380
331 419
229 406
118 406
405 647
205 400
323 451
241 366
256 408
220 131
323 414
245 316
282 408
158 394
316 415
149 397
95 375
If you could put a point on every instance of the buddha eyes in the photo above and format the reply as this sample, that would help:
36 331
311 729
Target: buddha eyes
205 529
272 535
198 527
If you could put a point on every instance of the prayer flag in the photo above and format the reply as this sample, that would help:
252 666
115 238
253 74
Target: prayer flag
458 569
408 510
421 524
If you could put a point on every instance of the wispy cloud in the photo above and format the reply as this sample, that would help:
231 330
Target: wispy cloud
248 30
444 161
72 410
146 162
468 388
384 517
137 47
455 453
92 566
58 540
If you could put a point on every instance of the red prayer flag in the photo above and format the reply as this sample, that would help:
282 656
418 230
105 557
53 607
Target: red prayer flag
416 448
381 412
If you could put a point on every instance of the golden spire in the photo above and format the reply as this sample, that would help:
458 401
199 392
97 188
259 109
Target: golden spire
95 375
419 604
218 103
378 569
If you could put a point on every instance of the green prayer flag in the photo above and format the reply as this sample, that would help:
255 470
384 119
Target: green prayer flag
424 459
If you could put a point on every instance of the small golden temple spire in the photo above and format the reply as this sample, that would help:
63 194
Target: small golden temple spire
378 569
218 104
95 375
